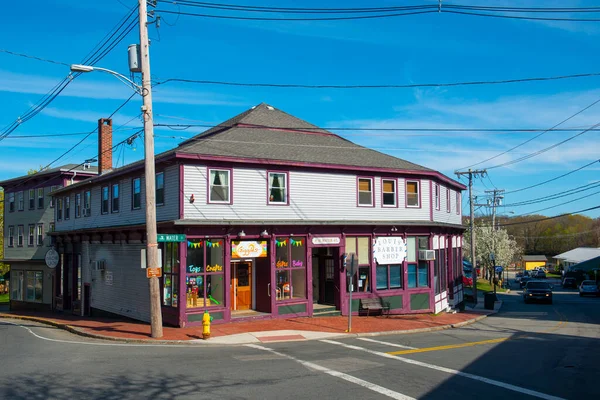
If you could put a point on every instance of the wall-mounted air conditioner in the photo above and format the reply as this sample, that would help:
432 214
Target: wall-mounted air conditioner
427 255
99 265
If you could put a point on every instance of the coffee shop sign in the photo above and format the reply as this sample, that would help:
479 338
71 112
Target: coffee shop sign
389 250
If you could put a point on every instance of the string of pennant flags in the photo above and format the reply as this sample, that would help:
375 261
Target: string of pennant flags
195 245
281 243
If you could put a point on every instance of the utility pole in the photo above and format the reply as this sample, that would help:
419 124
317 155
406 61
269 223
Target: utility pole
496 200
470 173
150 177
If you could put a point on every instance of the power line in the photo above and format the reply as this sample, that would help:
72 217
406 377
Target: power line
33 57
555 196
537 136
558 205
558 236
382 86
519 17
553 179
63 134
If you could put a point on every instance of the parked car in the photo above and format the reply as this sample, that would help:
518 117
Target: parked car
518 276
569 282
537 291
588 288
467 280
524 281
540 274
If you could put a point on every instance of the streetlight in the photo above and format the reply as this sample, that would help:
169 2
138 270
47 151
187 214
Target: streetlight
145 90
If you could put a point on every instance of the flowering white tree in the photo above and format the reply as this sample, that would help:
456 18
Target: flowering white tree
489 241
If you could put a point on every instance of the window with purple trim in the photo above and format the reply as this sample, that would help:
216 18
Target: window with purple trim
436 189
389 276
365 192
290 273
278 193
457 202
31 199
170 278
204 278
412 194
447 200
219 185
31 235
388 192
160 189
418 270
11 236
361 246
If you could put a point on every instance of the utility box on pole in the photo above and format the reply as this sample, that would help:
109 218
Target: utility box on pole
133 53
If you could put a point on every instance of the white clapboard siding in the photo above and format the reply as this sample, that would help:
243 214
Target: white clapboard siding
126 215
313 196
442 215
127 292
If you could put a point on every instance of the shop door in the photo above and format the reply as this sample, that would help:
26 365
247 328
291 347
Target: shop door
241 285
325 274
328 271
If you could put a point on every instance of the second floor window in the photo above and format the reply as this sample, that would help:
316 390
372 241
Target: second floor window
437 196
20 201
11 202
31 199
59 209
115 198
11 236
219 187
278 188
40 197
31 236
20 234
67 207
458 202
87 203
388 192
104 202
365 191
447 200
160 188
40 234
136 190
412 194
52 189
77 205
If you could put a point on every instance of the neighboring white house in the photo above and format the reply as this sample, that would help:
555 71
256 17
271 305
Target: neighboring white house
576 256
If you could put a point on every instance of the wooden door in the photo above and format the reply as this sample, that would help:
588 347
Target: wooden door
241 286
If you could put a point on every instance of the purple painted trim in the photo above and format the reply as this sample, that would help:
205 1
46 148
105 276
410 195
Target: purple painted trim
164 188
396 200
181 192
418 182
287 188
372 179
448 208
431 200
230 170
330 167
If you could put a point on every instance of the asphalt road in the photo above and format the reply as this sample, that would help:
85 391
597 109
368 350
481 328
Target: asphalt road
525 351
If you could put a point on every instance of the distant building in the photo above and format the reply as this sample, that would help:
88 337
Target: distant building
576 256
532 261
28 219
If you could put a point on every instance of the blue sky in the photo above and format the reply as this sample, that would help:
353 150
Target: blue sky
413 49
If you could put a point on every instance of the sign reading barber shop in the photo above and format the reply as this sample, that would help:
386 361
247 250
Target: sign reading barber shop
389 250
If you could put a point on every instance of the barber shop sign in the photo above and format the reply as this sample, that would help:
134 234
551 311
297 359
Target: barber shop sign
389 250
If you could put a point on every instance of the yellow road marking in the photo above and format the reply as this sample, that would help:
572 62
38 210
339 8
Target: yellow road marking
447 347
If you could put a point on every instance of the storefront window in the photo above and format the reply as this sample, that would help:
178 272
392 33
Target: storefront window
361 246
418 270
170 274
33 291
389 276
205 273
16 285
290 262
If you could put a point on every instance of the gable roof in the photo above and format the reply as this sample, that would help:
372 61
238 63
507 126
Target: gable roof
535 258
587 265
266 133
67 168
579 254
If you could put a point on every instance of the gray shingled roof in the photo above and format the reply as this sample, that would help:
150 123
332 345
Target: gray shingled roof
252 134
535 258
50 171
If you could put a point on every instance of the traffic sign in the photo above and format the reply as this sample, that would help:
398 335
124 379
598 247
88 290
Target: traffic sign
171 237
153 272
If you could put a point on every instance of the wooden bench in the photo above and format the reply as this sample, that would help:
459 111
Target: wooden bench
375 304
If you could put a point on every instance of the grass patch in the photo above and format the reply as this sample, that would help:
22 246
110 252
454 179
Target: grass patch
4 298
483 285
557 276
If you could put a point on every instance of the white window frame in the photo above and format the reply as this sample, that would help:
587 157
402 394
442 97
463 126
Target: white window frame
11 236
448 206
67 208
227 186
418 205
11 202
20 235
270 176
371 191
31 199
458 202
20 201
40 198
133 193
395 192
31 235
104 210
87 203
39 234
437 193
113 198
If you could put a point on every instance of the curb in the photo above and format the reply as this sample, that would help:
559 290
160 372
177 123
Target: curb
83 333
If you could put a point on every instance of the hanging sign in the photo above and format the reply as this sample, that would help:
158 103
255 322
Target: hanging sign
249 249
389 250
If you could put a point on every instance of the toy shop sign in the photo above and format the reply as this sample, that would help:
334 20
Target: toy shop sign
249 249
389 250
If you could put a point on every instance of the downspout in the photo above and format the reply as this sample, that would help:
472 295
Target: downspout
73 177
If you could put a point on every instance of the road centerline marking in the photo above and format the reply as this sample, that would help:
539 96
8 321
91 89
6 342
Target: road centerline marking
451 371
447 347
360 382
387 343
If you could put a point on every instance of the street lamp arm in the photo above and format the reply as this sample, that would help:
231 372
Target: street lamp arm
121 77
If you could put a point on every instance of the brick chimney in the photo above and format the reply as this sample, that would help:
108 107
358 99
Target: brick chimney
105 144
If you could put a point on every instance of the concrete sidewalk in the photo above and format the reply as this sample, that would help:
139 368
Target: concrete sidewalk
305 328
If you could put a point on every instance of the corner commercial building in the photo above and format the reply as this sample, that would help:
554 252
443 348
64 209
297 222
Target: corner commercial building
259 214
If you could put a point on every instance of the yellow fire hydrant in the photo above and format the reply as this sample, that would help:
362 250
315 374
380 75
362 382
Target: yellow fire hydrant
206 318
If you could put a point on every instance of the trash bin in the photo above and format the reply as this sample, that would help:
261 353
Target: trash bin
488 300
